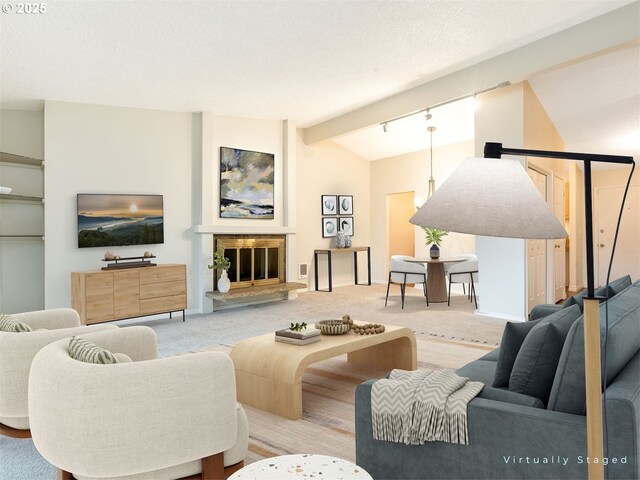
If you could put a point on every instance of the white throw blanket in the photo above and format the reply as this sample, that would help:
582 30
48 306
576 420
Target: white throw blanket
422 406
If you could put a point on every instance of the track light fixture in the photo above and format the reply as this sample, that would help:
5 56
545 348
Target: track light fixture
427 109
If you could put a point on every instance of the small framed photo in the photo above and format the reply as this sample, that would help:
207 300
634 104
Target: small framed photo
345 204
329 227
345 225
329 204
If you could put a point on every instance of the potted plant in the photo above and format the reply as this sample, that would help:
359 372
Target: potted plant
434 237
220 262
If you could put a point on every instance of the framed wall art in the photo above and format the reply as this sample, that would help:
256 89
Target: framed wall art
329 204
246 183
345 225
329 227
345 204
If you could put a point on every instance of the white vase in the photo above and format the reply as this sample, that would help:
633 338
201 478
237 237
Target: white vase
223 282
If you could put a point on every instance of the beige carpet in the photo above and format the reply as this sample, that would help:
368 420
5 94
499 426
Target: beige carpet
446 336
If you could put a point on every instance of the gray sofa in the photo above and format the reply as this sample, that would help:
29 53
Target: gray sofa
513 435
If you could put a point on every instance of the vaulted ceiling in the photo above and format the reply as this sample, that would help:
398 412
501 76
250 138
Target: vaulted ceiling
308 61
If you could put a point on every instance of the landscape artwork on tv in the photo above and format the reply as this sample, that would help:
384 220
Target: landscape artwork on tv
246 183
118 220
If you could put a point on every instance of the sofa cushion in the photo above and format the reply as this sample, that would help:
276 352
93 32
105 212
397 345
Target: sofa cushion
623 343
513 337
535 366
10 324
479 371
619 285
578 299
86 351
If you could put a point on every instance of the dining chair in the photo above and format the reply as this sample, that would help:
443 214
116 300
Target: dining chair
402 272
468 257
464 272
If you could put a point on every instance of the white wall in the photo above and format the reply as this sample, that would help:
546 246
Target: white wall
329 169
502 287
98 149
410 172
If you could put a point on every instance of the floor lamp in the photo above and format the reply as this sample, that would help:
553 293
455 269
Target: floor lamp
493 196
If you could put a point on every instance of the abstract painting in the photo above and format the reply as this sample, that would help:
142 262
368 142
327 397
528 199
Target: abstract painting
329 227
345 225
246 183
345 203
329 204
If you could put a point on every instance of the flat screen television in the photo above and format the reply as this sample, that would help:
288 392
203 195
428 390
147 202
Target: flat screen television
114 220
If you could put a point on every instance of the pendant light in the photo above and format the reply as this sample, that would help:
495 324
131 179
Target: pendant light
432 182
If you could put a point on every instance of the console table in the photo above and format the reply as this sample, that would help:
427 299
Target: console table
104 296
329 251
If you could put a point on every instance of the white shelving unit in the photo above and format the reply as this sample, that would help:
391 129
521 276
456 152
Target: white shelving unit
21 234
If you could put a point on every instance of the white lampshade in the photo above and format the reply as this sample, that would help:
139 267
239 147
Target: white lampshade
493 197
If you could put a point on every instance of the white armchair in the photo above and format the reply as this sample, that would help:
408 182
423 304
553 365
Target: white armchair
401 271
468 257
16 354
464 272
152 418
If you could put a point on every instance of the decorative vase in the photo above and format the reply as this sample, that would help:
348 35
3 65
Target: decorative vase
434 252
341 240
223 282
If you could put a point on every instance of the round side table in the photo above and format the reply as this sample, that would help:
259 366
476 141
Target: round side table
301 466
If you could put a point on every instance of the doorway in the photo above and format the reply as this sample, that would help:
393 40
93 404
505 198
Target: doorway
559 251
536 253
400 233
627 260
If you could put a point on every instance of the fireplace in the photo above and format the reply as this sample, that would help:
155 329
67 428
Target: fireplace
255 259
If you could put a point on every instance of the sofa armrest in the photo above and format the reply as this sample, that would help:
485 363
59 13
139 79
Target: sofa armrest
51 319
16 354
543 310
506 396
147 415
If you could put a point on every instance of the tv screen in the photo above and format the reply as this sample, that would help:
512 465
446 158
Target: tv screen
112 220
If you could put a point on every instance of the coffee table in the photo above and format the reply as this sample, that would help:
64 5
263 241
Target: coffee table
307 466
269 373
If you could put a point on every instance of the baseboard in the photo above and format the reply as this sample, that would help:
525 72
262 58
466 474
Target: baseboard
511 318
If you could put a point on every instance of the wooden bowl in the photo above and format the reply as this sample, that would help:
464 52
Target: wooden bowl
333 327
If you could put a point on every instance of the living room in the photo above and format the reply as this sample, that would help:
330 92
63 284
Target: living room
116 118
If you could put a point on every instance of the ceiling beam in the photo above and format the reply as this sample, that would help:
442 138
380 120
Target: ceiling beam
601 33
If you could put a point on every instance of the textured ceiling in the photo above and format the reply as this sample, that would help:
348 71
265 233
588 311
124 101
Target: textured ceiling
303 60
595 104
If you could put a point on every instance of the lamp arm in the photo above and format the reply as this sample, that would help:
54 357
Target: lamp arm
495 150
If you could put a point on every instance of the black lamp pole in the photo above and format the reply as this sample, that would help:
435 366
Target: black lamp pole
593 382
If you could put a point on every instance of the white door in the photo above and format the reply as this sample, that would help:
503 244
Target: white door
559 254
607 207
536 253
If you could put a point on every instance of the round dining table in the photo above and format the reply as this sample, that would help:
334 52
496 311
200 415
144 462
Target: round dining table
436 282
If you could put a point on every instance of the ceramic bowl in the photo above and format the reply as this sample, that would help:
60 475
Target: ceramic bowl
333 327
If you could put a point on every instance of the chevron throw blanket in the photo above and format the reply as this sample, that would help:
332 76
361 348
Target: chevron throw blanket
422 406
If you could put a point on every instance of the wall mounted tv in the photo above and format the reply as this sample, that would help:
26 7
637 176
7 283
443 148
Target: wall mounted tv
113 220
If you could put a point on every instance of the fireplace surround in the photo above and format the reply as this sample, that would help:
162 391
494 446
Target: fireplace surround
255 259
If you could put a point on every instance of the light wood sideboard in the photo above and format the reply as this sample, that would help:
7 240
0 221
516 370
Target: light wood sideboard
107 295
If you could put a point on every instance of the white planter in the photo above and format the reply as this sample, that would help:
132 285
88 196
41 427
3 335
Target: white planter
223 282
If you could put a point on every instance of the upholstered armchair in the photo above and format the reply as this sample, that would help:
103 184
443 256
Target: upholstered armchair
16 353
161 418
464 272
401 271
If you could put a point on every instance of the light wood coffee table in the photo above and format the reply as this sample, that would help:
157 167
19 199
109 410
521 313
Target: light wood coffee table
269 373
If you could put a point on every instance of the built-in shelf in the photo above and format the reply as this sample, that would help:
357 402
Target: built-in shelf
11 158
24 198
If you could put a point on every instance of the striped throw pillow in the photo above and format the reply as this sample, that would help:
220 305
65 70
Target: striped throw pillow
10 324
86 351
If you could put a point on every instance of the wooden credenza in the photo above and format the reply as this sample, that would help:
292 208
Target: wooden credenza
106 295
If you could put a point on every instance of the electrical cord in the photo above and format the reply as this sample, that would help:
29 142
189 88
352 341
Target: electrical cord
606 316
